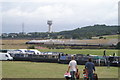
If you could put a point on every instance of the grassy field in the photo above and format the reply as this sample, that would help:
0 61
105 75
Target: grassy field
111 36
20 44
14 44
16 69
108 37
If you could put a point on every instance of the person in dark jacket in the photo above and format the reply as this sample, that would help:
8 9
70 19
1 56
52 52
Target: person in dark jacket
90 68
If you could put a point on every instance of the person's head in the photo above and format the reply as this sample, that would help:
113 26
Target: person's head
90 60
72 57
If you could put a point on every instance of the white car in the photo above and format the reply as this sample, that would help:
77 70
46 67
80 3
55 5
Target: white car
5 56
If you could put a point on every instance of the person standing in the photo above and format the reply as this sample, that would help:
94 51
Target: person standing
77 74
72 67
90 68
104 53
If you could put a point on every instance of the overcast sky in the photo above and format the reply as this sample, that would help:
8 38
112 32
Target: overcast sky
65 14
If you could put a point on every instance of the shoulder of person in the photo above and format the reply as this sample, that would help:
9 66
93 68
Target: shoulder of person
70 61
74 61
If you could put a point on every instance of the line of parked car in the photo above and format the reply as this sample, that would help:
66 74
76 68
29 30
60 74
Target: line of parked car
56 57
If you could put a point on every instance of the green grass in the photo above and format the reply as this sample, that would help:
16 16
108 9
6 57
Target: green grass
111 37
83 51
108 37
16 69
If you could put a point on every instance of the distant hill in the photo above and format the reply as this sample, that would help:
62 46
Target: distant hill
90 31
80 33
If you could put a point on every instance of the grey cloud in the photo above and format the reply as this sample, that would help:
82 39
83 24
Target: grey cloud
66 15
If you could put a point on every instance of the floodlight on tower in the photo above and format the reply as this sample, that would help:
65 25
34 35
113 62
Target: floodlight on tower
49 22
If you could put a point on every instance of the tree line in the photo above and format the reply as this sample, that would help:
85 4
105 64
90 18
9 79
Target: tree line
80 33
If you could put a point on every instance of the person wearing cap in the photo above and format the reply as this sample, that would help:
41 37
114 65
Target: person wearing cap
72 67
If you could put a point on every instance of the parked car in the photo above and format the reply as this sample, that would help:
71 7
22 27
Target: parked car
5 56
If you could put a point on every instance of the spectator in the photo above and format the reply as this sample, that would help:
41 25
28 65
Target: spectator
72 67
77 74
104 53
114 54
90 68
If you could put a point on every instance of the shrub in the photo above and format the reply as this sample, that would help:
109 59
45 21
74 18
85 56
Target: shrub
31 47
